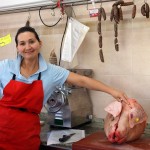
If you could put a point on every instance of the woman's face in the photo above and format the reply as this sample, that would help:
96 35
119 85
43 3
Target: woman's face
28 46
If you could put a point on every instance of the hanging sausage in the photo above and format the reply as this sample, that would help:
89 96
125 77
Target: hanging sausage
145 9
133 11
101 14
117 15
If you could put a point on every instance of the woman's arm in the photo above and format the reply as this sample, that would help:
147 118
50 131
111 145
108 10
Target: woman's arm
93 84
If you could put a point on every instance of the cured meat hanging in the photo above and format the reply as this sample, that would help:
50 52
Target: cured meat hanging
101 14
145 9
117 15
133 11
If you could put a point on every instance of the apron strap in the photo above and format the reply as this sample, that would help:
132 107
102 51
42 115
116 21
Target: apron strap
14 77
39 76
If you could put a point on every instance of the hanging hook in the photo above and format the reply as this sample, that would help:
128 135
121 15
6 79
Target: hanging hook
93 3
101 4
53 13
73 10
28 20
29 17
87 5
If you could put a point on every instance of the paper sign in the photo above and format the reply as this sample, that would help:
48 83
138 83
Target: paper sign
93 12
75 35
5 40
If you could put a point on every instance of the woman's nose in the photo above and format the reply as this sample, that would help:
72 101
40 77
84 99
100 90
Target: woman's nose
28 46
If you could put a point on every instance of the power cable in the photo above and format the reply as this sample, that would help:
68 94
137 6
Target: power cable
43 21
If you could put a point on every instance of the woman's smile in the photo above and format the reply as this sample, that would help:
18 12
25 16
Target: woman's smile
30 51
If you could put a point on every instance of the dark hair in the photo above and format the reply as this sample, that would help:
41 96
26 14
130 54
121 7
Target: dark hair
26 29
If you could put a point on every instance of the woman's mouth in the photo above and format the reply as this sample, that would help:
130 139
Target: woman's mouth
28 52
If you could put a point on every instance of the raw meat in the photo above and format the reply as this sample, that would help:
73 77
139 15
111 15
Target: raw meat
124 122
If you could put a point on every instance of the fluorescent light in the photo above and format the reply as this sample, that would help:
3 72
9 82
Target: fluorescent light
23 4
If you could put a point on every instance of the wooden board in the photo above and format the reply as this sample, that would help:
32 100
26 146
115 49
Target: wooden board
98 141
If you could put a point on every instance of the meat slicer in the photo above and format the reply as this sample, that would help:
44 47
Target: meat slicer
70 106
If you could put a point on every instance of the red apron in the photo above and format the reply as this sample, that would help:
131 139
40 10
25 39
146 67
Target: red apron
19 119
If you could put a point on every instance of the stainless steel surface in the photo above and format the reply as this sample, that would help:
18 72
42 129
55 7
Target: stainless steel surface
70 106
57 99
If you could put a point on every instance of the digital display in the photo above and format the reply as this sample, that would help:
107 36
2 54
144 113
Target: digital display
58 121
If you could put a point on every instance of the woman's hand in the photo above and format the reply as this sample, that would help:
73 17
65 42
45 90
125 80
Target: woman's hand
119 96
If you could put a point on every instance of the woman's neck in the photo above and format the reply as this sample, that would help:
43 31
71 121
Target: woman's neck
29 67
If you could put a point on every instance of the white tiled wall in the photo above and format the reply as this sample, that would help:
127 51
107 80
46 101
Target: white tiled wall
127 70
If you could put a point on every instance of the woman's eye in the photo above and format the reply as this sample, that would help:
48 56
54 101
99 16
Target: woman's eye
22 44
31 42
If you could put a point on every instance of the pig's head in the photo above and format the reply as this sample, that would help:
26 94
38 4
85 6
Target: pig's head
123 122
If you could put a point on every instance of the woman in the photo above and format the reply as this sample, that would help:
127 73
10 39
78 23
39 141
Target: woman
25 85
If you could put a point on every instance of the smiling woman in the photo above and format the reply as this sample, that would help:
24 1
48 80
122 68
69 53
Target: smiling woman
26 83
28 46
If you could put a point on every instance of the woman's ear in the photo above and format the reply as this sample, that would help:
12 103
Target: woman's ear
17 48
41 43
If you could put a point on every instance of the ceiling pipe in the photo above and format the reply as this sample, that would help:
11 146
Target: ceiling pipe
49 5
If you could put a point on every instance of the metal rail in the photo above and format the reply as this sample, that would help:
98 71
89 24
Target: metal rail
52 6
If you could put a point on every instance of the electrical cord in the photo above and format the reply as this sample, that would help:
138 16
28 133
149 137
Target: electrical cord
43 21
53 26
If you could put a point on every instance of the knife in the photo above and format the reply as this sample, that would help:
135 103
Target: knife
66 137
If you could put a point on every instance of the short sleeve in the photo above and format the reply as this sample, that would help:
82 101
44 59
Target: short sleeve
2 70
60 75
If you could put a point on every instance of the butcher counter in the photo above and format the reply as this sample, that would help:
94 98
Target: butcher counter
95 138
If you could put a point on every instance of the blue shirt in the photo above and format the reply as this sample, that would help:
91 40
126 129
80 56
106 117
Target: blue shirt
51 75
